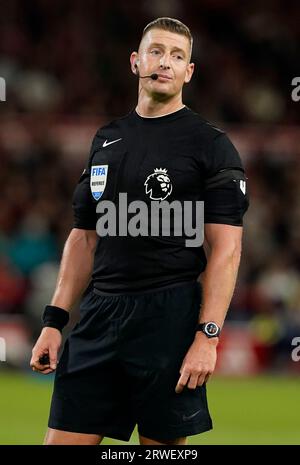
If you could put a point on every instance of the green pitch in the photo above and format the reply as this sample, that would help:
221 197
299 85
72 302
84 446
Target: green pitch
262 410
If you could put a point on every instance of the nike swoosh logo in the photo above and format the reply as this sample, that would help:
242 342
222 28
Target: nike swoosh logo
185 417
105 144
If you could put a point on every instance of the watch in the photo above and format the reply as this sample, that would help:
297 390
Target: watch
210 329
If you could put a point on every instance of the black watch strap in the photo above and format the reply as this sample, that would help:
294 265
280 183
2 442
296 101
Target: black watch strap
200 327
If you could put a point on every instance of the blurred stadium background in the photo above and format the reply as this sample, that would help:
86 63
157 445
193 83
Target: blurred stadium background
66 66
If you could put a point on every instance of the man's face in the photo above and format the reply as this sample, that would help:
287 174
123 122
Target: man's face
167 54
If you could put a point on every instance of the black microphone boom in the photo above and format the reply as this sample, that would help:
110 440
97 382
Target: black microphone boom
153 76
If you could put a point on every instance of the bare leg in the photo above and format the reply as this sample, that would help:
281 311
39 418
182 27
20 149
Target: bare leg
172 442
58 437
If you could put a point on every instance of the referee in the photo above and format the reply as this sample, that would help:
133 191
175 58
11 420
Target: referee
151 307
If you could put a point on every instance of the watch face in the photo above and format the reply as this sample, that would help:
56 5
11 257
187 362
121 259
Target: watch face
211 329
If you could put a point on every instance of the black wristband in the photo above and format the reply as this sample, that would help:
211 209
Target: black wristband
55 317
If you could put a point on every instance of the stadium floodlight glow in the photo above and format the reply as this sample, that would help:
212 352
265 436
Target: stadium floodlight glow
2 90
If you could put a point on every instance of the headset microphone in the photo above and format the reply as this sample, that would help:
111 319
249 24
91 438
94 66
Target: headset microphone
153 76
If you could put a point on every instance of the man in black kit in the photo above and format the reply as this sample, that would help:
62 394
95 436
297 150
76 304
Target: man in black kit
143 349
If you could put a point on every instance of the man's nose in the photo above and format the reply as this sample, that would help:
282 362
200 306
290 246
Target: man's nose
165 62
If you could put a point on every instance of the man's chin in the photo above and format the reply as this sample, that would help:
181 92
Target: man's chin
161 96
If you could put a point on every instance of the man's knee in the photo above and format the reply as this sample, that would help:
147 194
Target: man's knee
56 437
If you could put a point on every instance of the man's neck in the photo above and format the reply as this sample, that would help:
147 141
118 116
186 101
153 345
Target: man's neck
148 108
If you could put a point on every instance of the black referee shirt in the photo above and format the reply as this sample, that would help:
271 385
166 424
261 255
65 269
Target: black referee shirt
129 155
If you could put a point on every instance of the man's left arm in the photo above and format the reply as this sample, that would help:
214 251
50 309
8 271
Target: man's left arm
218 282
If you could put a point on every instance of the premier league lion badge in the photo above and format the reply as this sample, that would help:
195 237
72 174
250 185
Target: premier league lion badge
158 184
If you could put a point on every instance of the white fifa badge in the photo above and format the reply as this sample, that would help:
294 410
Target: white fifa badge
98 180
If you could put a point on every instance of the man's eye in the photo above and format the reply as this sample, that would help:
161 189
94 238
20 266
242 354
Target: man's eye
155 51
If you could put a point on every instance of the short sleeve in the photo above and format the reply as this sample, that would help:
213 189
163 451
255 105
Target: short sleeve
221 154
84 207
226 197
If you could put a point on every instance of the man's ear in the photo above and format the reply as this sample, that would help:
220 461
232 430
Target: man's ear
189 72
134 62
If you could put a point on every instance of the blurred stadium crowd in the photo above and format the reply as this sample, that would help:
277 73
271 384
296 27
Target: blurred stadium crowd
72 58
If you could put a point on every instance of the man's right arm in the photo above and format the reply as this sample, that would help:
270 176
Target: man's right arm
74 275
76 265
76 268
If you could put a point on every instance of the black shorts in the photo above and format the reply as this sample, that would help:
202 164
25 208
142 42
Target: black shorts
120 366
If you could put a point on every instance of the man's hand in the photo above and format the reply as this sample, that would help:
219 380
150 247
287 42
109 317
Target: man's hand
49 343
199 362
